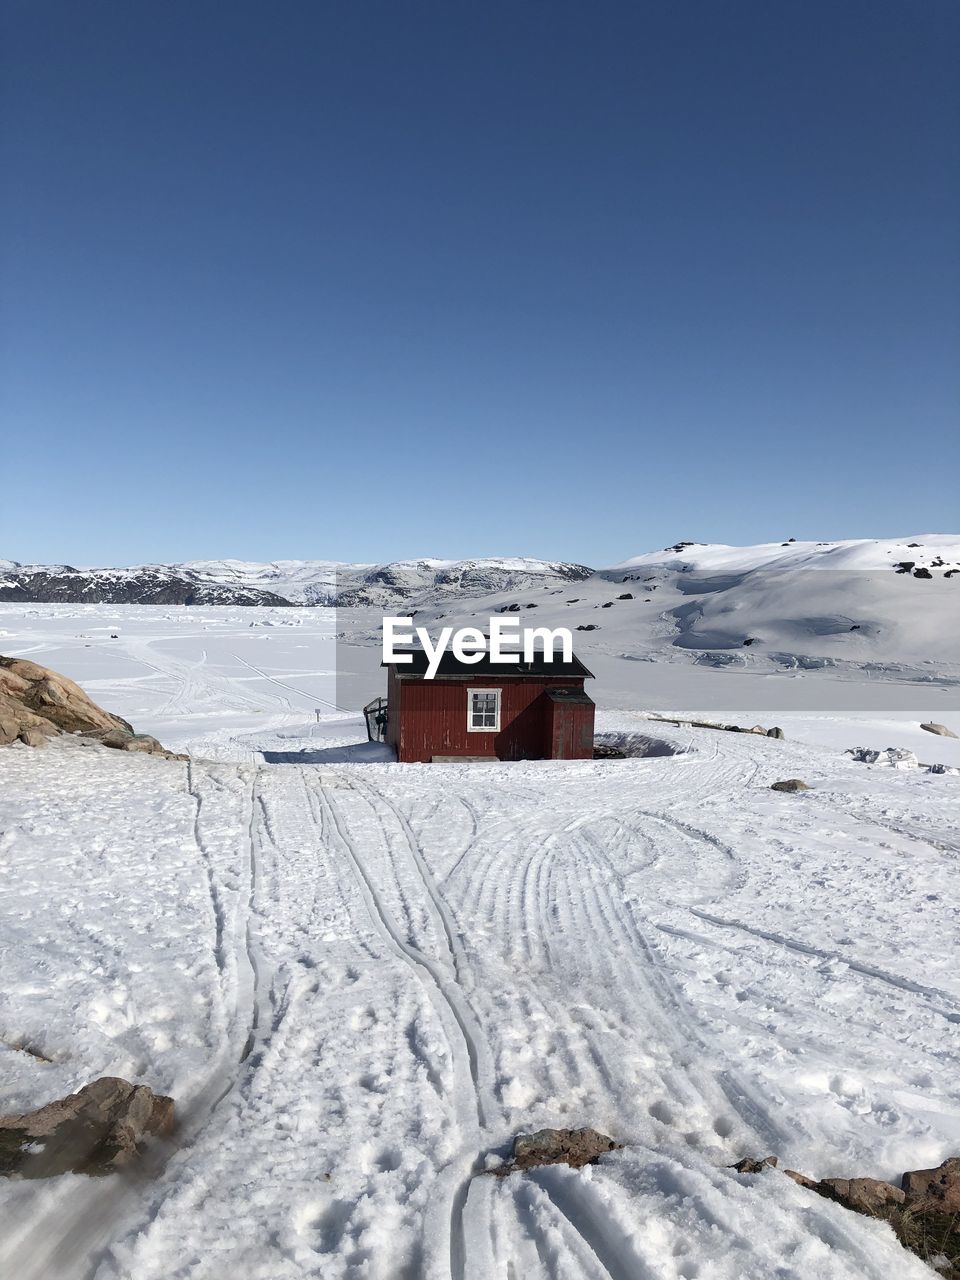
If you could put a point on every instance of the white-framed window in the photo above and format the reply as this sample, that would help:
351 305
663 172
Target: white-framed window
483 710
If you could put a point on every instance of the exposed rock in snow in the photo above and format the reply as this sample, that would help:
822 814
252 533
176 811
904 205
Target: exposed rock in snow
924 1211
790 784
96 1131
574 1147
864 1195
37 703
940 730
34 697
940 1186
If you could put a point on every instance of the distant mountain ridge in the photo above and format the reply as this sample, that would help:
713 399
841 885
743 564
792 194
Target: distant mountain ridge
142 584
716 581
282 582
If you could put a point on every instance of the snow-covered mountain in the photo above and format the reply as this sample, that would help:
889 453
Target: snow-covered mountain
411 583
865 605
141 584
863 600
297 581
892 599
938 552
415 583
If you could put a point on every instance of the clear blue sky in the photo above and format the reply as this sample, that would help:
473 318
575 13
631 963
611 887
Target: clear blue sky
372 280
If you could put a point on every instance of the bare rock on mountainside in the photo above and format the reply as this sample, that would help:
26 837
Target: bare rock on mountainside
37 703
789 784
574 1147
95 1131
147 584
940 730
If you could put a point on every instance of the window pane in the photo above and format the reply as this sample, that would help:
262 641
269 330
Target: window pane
484 709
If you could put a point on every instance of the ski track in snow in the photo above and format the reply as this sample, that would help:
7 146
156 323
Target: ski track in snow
389 972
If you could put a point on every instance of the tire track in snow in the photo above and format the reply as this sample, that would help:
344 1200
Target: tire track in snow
78 1233
449 931
216 901
917 835
565 885
472 1113
481 1063
560 881
310 698
577 1203
819 953
667 1000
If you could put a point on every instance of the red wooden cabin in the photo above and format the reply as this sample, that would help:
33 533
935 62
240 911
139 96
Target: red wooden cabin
489 710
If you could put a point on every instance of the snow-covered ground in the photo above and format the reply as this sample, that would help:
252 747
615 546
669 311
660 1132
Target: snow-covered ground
360 979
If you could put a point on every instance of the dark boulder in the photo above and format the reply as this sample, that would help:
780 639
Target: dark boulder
573 1147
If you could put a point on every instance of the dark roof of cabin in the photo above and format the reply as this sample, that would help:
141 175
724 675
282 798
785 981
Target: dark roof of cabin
450 665
570 695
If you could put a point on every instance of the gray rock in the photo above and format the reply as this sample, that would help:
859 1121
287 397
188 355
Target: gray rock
940 730
775 732
751 1165
789 784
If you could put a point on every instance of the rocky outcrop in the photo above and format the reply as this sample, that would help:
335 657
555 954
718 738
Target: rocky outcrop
789 784
574 1147
98 1130
54 700
37 704
924 1211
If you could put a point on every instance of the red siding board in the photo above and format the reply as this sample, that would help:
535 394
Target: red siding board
571 730
428 718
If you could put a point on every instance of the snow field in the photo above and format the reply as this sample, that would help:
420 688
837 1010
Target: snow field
360 980
387 971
